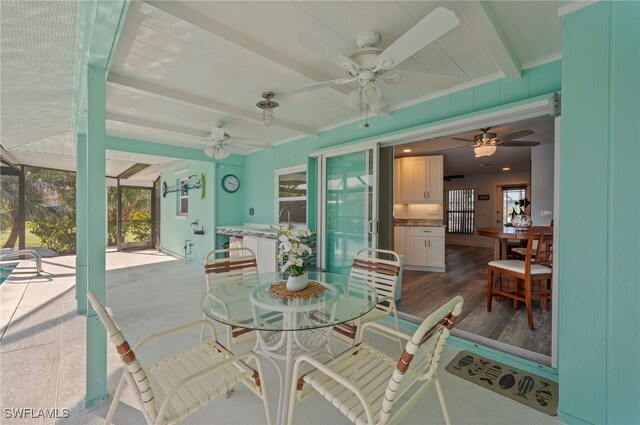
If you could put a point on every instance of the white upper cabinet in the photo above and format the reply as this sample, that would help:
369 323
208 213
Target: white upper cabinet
418 179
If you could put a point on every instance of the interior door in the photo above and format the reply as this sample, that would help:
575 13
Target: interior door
349 207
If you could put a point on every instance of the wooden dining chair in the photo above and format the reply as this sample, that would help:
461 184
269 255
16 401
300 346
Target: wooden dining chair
177 386
379 268
230 265
536 267
520 251
367 385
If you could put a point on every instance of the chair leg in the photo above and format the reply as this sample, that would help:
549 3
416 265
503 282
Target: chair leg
516 285
443 405
544 296
527 302
116 399
204 317
395 314
489 289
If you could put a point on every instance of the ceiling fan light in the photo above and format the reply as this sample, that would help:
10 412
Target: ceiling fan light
210 151
222 153
354 100
371 93
484 151
376 106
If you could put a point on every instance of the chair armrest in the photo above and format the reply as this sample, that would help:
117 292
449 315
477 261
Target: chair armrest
149 338
189 379
333 375
384 330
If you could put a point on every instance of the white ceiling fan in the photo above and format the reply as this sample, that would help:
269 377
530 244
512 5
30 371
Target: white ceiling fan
219 144
370 65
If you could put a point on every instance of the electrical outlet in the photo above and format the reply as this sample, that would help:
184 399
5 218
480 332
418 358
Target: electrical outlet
546 213
251 211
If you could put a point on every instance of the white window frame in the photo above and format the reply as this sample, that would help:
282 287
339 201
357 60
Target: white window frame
182 196
289 170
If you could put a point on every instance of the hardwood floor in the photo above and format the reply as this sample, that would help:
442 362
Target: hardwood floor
423 292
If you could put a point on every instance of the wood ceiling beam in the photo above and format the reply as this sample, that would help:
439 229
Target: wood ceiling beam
219 29
143 122
212 105
479 16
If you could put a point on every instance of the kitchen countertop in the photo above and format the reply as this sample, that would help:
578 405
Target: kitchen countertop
418 222
250 229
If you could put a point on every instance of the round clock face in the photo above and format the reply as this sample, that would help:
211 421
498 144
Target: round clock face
230 183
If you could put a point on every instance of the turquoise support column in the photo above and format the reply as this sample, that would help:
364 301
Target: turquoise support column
81 223
95 206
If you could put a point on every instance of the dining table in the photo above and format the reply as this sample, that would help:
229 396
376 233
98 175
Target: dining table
288 325
501 236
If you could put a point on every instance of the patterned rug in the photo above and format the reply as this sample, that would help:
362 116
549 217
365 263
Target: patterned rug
524 387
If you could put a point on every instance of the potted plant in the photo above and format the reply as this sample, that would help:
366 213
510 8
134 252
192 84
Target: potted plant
519 219
291 254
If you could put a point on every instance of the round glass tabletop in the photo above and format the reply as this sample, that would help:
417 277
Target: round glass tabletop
247 303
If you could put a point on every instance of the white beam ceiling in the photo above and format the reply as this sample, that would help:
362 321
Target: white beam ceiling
480 18
142 122
161 91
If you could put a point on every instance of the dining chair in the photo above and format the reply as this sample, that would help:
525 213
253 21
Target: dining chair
365 383
536 267
230 265
520 251
177 386
379 268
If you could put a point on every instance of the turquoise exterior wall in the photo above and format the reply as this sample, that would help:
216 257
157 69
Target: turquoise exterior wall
599 224
217 208
498 94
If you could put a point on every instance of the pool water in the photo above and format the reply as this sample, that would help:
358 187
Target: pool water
5 271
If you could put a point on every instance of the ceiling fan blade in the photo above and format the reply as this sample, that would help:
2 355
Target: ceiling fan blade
316 86
421 79
518 144
464 140
515 135
425 32
310 42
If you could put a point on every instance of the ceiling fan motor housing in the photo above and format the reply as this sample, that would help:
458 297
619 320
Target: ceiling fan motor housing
367 38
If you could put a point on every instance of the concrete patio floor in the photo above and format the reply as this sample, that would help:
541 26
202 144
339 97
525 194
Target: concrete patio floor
42 346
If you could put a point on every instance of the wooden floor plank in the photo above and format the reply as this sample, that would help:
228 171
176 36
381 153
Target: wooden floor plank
423 292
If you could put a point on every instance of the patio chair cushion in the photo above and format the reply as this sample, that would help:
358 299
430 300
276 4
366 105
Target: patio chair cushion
518 266
165 375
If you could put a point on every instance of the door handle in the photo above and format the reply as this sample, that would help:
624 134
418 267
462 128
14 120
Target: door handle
429 244
425 243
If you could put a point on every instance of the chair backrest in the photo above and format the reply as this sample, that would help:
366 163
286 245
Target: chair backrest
421 356
233 264
379 268
539 246
127 356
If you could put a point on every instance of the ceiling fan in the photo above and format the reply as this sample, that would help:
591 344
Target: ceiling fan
370 65
219 142
485 143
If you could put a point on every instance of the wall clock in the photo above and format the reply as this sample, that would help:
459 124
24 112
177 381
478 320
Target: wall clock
230 183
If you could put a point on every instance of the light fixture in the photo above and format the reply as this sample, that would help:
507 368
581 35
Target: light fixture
407 150
371 93
267 107
221 153
484 150
210 151
354 100
506 168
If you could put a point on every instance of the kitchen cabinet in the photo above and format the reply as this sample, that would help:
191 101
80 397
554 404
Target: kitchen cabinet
266 251
423 247
418 179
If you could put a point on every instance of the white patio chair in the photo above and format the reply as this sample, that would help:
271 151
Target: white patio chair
365 383
177 386
234 265
379 268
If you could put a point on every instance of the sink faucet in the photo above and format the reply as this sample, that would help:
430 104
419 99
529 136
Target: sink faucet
289 226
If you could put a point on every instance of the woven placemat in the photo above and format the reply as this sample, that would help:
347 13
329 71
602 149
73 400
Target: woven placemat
280 290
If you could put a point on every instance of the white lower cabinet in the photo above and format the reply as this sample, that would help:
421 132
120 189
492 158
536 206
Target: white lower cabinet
423 247
266 251
399 240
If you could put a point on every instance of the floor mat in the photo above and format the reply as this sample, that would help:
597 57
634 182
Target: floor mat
524 387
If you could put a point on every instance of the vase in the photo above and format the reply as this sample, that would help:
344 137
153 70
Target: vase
521 222
297 283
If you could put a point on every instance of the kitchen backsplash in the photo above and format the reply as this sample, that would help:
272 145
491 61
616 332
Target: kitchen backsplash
419 211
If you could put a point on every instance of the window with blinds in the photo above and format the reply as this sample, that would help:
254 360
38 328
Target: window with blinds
460 208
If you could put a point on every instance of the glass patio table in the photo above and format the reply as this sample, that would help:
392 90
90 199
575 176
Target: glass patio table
288 327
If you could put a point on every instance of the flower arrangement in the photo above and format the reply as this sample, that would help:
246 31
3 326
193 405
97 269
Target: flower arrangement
520 207
291 250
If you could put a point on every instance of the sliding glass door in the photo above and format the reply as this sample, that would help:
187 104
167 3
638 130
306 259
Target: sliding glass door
348 206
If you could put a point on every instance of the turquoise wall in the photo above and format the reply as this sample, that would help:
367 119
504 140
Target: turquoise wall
260 166
217 208
599 226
